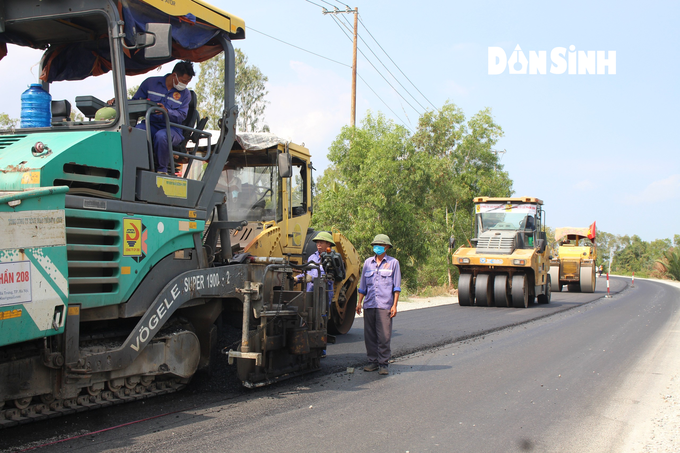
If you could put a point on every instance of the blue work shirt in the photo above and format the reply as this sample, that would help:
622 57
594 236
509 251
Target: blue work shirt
379 283
177 102
314 273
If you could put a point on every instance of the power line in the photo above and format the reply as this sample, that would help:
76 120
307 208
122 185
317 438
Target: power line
387 81
340 63
362 79
297 47
316 4
390 72
388 56
390 109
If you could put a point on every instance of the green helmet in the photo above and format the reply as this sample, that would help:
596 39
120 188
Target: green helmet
324 236
382 239
105 114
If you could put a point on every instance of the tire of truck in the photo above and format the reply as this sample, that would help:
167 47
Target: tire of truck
587 279
501 294
484 290
545 298
466 293
520 291
554 273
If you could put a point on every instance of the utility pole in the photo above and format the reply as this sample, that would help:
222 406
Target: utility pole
353 113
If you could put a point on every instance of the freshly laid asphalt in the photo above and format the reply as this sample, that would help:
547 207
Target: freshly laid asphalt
496 372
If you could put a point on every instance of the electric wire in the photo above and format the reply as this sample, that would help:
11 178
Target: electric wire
345 65
397 66
386 68
330 4
385 79
300 48
316 4
369 87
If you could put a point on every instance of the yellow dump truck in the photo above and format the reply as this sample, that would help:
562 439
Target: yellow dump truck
573 264
506 264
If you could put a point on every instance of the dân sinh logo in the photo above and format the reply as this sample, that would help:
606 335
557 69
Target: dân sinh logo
572 62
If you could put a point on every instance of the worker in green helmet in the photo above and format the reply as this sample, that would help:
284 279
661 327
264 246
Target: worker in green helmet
324 241
379 290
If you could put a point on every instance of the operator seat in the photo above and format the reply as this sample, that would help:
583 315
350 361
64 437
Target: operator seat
61 111
194 121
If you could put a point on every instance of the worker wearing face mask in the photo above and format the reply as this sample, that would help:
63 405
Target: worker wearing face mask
380 286
170 93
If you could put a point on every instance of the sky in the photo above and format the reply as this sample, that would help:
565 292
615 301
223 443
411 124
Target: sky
593 147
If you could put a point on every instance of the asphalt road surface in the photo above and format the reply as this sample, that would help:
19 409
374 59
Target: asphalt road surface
468 379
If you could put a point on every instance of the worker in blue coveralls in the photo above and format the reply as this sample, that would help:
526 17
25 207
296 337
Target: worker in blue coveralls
323 241
380 286
169 93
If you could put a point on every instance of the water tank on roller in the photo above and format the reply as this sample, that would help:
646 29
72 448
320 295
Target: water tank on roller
36 107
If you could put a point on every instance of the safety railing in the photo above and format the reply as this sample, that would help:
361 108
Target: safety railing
172 152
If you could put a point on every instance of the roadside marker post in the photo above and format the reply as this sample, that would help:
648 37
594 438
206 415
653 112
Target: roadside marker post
608 295
633 285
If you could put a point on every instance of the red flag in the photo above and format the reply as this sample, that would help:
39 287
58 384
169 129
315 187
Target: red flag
592 231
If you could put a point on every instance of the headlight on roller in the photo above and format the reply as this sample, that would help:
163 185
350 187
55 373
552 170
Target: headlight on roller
463 260
519 262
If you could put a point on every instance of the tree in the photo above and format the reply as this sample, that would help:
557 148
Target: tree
671 262
132 91
250 92
463 167
370 188
6 122
417 189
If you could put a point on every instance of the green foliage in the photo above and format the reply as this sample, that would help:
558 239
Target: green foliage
132 91
250 92
77 116
6 122
639 256
368 190
416 189
630 254
671 262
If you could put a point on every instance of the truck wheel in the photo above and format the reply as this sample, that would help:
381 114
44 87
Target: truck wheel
484 290
587 279
545 298
500 291
555 278
466 293
520 291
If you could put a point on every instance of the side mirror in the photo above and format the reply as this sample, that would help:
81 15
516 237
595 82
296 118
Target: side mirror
156 41
285 165
541 245
452 242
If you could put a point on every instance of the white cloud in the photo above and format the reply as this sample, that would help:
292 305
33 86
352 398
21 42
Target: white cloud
657 191
311 109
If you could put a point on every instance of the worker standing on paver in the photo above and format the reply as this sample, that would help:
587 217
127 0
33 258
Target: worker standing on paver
380 285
